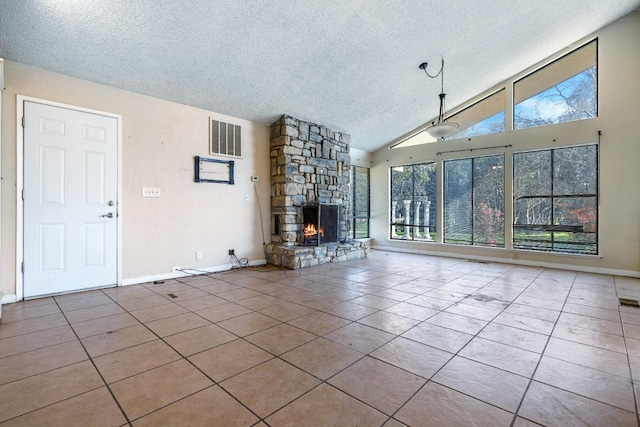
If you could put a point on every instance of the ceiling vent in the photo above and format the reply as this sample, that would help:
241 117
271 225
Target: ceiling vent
226 139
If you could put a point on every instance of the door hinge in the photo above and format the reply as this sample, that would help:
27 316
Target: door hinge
23 195
22 121
22 268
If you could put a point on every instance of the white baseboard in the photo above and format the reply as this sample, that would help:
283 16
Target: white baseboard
11 298
8 299
528 263
185 273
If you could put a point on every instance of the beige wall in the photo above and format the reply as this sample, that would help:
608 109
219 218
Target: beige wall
160 139
619 121
360 157
159 142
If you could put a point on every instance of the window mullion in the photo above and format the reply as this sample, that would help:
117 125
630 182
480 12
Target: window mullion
553 200
473 200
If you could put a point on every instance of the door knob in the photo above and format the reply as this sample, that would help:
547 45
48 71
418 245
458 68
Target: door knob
109 215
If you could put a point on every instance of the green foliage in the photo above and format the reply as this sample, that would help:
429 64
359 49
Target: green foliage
360 196
474 201
416 184
557 187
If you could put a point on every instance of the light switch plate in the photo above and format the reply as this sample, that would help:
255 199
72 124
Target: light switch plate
150 192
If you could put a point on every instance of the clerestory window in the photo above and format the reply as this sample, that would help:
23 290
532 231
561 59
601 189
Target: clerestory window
565 90
484 117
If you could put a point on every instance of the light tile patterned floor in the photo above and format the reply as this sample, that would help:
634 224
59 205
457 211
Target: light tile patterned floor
391 340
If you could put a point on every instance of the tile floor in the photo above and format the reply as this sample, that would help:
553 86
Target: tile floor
391 340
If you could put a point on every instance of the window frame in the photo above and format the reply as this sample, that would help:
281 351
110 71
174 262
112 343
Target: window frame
551 226
556 60
452 117
433 226
353 219
473 199
416 137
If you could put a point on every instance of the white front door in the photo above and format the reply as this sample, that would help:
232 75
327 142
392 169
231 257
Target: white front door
70 194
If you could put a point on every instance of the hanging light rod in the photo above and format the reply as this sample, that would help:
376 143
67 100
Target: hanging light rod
442 128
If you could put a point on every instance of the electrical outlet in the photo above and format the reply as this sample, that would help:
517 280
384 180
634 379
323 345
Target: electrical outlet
232 252
246 197
151 192
198 255
174 269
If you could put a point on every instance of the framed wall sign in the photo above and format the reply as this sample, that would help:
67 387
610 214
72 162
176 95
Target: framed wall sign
213 170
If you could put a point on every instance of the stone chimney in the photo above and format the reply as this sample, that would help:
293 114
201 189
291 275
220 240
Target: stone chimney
309 164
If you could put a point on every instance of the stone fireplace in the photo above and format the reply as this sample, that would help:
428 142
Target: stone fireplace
310 167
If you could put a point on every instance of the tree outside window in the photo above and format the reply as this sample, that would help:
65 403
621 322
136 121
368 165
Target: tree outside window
474 201
360 202
556 200
413 202
564 91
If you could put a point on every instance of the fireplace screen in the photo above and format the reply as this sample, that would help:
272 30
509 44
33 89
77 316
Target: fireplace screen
320 223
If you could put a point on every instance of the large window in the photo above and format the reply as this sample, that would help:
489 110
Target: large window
556 200
359 202
565 90
474 201
413 202
485 117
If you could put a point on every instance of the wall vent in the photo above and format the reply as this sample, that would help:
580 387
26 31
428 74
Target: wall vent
226 139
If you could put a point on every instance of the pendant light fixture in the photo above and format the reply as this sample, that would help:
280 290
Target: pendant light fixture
442 128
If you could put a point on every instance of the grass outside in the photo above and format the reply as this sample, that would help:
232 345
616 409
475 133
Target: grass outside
422 235
562 241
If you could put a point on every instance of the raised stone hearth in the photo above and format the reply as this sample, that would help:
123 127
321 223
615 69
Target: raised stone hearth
310 164
295 257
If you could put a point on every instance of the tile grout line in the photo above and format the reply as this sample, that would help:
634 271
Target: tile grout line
143 323
533 374
588 345
216 383
185 358
382 310
309 288
624 336
399 335
113 396
290 364
298 368
465 345
325 381
365 355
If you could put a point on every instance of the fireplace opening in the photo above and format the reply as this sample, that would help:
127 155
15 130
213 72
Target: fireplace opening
320 223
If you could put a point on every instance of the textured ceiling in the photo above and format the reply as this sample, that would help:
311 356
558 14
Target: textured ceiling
351 65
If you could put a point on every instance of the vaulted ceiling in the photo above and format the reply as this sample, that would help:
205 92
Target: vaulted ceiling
350 65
